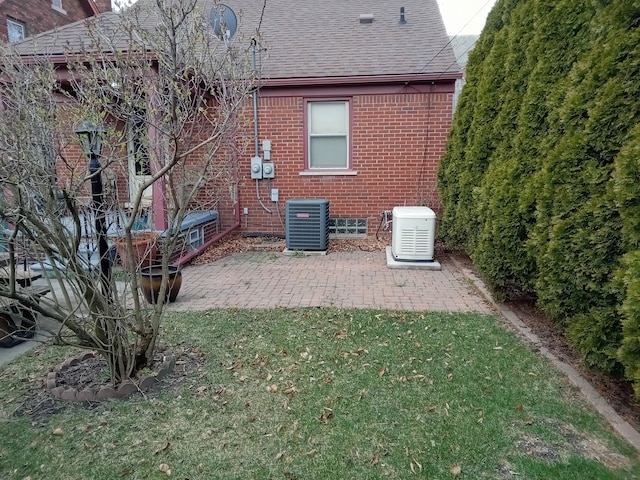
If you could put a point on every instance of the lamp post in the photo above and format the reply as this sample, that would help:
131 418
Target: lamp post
91 136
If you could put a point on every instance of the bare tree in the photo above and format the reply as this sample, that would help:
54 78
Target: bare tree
171 96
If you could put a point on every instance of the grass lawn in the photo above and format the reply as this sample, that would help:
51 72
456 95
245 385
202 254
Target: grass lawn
323 394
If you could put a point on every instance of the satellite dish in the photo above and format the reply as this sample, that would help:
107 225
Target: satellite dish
223 21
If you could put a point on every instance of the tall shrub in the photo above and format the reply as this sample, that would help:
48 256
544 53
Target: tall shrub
541 181
460 169
497 249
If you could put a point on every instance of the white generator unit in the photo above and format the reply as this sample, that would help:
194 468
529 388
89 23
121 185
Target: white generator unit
414 232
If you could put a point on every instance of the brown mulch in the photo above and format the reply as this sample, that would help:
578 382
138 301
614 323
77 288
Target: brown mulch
40 405
236 243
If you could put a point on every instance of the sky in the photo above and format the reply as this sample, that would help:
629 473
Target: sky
465 17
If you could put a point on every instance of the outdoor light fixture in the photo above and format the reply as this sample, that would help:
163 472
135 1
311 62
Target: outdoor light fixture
91 137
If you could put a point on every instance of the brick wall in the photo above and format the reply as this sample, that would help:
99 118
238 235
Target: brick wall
397 140
39 16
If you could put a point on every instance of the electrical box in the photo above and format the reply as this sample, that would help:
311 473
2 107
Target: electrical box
274 195
268 170
256 167
266 149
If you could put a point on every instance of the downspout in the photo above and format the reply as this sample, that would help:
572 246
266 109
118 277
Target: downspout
255 124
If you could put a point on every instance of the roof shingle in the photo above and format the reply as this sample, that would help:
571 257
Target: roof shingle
311 39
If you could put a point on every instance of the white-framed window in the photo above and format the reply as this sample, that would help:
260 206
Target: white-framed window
16 30
57 5
328 134
196 238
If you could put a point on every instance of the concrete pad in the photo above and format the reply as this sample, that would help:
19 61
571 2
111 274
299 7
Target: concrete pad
411 265
306 253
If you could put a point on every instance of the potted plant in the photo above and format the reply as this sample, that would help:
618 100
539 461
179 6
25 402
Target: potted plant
144 248
151 282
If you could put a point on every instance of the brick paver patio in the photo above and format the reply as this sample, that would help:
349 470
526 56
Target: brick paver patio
341 279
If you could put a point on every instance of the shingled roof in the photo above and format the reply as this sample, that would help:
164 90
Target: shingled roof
313 39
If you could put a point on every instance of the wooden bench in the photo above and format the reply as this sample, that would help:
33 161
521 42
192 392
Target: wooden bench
12 334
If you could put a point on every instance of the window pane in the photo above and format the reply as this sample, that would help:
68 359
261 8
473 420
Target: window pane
328 152
328 118
15 31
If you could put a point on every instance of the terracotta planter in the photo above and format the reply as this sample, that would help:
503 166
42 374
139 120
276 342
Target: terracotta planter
144 246
151 281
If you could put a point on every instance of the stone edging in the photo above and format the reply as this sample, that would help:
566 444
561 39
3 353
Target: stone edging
106 392
619 424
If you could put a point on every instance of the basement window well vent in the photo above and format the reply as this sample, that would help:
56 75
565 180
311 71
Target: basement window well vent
348 227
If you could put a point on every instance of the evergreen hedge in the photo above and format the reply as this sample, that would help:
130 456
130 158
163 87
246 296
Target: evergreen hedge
540 182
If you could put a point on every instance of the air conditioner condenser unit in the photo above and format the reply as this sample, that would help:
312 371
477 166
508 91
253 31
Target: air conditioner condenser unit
414 231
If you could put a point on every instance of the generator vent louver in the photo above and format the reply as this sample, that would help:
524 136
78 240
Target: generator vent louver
307 224
413 235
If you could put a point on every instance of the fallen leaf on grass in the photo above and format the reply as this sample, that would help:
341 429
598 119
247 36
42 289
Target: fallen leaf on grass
201 390
375 459
58 431
165 468
279 456
326 415
341 333
272 388
381 372
235 366
416 467
455 470
163 449
290 391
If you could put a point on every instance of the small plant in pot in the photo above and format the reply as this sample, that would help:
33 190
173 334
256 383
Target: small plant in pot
151 279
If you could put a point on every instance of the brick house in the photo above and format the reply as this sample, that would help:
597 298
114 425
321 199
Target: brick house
24 18
382 84
355 106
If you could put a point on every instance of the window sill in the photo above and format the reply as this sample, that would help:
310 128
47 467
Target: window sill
58 9
328 172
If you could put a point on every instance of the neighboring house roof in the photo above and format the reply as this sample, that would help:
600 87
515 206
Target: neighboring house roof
72 37
312 39
462 45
